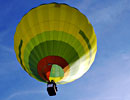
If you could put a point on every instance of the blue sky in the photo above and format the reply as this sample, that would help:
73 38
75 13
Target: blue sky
108 77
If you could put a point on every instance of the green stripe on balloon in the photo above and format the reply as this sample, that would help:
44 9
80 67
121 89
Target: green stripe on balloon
63 53
20 47
87 42
45 36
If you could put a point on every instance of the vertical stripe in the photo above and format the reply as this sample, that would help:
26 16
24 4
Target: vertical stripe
87 41
20 47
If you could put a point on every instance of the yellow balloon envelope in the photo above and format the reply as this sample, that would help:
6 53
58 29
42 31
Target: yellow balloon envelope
55 42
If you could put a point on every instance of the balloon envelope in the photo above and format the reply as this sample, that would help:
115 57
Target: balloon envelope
55 42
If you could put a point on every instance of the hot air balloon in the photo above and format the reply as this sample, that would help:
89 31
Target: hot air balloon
55 44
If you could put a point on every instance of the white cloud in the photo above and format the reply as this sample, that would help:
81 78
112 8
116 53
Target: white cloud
22 93
84 4
109 80
4 33
100 13
6 48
